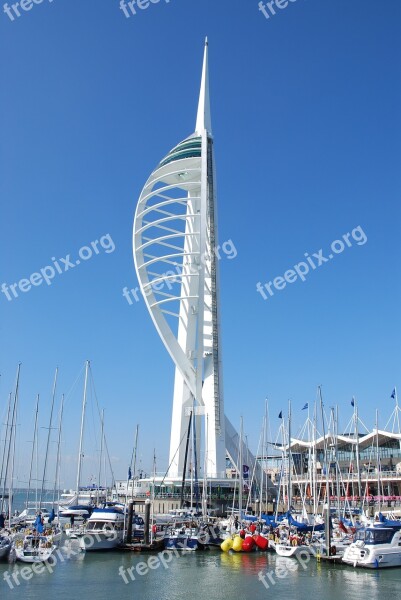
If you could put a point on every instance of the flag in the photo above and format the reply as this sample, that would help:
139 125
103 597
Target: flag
280 415
129 473
352 402
306 406
393 393
245 471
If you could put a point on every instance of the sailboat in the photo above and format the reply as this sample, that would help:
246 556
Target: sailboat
36 547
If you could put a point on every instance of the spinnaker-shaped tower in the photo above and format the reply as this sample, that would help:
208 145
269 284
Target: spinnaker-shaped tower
175 247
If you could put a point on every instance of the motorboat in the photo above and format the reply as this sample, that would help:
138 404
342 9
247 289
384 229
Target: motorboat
184 536
104 530
375 548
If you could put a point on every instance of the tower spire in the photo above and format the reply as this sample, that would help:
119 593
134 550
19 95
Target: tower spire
203 120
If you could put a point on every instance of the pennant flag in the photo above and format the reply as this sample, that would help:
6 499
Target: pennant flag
393 393
352 402
306 406
280 415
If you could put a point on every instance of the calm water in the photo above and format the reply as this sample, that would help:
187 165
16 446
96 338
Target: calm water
210 574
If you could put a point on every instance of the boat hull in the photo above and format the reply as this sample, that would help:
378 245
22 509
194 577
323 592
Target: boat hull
378 560
182 543
34 556
292 551
99 541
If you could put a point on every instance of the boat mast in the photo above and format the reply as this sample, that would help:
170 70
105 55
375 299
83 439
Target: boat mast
356 423
82 429
6 432
314 468
133 459
35 430
289 458
48 438
378 460
100 460
13 424
57 474
263 461
204 490
185 461
241 469
326 467
338 471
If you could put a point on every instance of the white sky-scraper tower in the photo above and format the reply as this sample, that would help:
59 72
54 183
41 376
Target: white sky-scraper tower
175 242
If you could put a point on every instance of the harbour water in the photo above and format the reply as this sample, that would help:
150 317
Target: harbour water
198 575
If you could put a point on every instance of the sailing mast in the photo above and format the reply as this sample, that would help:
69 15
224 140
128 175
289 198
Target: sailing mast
133 459
57 474
35 431
48 438
241 469
326 467
263 460
13 428
100 459
356 423
378 460
289 458
6 432
185 461
80 456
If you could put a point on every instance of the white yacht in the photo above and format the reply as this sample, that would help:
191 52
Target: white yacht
35 548
375 548
104 530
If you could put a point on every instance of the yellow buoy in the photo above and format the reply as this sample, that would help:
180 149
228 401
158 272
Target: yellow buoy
226 545
237 543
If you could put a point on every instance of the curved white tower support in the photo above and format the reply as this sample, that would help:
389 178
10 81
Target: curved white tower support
174 242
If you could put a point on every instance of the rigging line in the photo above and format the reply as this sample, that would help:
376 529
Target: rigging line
74 384
171 462
100 413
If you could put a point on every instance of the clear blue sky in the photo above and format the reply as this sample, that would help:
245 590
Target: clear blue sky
307 124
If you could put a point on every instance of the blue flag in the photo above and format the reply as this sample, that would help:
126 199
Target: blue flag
280 415
306 406
129 473
352 402
393 393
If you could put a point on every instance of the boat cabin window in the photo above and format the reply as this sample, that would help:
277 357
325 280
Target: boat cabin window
378 536
99 525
